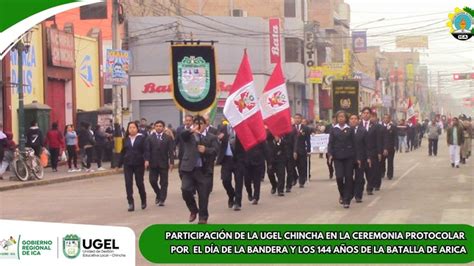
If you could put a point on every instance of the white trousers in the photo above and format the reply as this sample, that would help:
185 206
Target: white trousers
454 154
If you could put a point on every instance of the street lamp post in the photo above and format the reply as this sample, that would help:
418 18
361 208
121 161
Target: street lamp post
22 46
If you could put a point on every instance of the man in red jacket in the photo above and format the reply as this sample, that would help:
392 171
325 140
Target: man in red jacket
55 142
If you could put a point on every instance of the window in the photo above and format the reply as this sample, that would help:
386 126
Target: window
94 11
290 8
294 50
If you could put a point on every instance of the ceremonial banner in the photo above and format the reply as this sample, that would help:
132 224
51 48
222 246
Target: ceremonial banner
193 76
346 96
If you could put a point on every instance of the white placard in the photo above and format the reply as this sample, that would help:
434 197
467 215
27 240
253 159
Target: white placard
319 143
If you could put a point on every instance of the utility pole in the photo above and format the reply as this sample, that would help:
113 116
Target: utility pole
116 90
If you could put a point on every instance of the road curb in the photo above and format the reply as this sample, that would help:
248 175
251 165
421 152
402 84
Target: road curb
33 183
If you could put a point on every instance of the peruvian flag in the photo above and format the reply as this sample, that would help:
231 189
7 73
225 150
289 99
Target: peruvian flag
275 105
411 112
242 108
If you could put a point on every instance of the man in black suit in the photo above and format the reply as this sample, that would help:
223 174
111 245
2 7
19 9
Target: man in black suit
188 122
374 149
255 170
361 162
231 157
159 154
211 129
289 141
277 163
390 144
330 163
197 166
301 149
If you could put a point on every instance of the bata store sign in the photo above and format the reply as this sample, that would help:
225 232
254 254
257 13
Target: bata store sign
159 87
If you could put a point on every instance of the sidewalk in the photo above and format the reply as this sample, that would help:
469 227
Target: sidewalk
10 181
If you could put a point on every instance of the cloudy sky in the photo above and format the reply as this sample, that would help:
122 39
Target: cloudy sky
385 19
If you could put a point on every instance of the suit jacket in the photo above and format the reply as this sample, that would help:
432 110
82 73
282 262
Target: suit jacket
289 141
361 143
460 136
258 154
133 155
238 152
212 130
390 137
302 140
160 153
178 141
277 151
342 143
191 154
374 139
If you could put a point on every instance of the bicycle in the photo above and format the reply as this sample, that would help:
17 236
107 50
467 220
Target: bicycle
26 163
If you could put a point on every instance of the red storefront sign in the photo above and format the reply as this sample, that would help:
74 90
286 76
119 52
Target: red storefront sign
60 48
275 49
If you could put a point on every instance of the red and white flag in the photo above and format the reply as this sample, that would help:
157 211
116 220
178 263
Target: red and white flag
411 115
242 108
275 105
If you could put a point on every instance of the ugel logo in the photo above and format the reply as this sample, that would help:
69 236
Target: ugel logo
460 23
71 246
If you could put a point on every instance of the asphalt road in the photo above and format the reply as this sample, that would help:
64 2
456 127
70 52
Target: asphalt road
424 190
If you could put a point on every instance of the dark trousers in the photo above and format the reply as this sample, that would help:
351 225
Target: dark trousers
229 167
372 174
277 170
359 180
54 152
330 165
253 176
193 181
99 151
139 171
410 142
433 147
290 172
345 179
387 164
302 166
71 156
89 153
162 190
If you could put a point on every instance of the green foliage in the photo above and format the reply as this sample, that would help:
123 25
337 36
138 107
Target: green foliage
469 10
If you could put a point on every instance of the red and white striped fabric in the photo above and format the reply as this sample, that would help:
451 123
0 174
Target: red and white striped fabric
242 108
275 104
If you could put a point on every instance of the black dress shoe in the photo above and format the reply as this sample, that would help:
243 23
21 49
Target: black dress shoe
161 203
370 193
192 217
273 190
288 190
237 207
457 166
131 207
346 206
157 201
301 186
358 200
280 194
330 176
377 189
254 202
202 221
143 205
250 198
230 203
452 165
390 177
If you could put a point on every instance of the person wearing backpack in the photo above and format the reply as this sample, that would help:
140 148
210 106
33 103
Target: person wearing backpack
34 138
55 142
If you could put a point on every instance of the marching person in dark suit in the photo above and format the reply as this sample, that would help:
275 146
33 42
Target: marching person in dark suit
211 129
301 149
231 157
159 156
330 163
277 163
133 161
289 141
199 152
255 170
341 148
374 149
361 163
188 122
390 144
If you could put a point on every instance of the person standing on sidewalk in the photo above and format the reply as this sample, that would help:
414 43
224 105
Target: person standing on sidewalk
100 143
159 156
8 147
455 138
86 144
71 147
34 138
132 157
402 136
433 131
55 142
